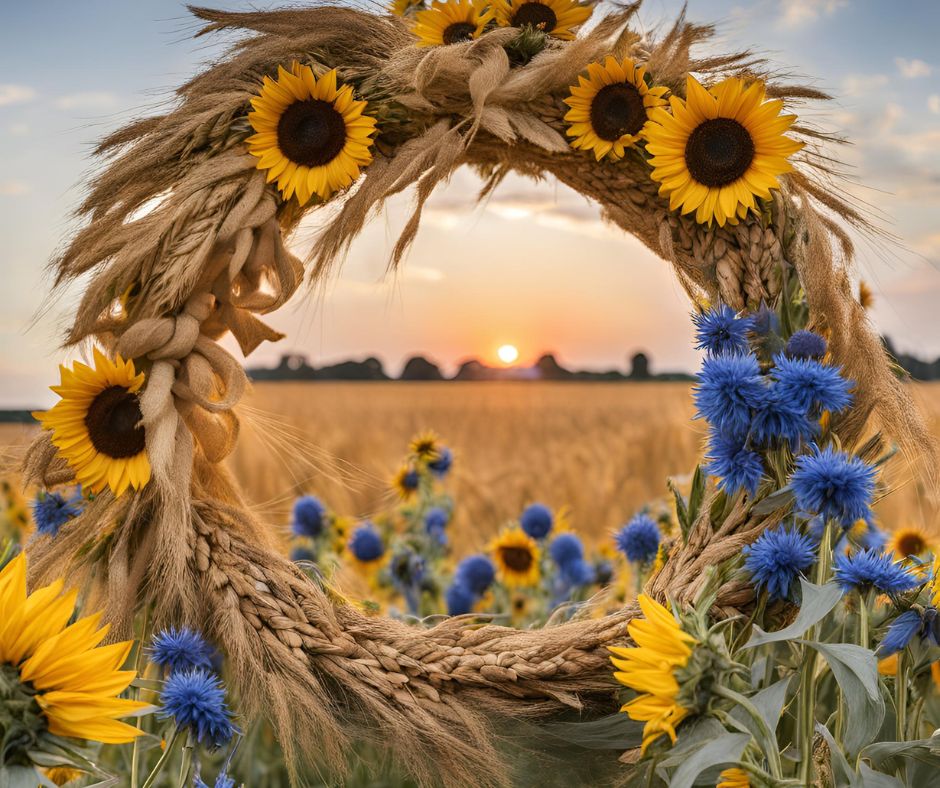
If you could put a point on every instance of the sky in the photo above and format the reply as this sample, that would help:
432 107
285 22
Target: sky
534 266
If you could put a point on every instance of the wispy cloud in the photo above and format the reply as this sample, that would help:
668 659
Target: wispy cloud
15 94
912 69
796 13
18 129
92 100
933 104
13 188
862 84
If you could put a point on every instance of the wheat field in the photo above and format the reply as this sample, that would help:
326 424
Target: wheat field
603 450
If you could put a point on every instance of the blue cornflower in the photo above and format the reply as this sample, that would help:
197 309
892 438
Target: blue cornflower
180 649
834 484
720 331
638 540
906 627
222 781
299 553
196 701
537 520
868 569
308 516
442 463
460 599
765 321
806 344
737 467
366 543
811 385
578 573
566 549
52 510
728 388
776 558
777 418
435 519
475 573
603 572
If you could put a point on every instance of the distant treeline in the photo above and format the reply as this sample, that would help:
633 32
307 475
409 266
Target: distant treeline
295 367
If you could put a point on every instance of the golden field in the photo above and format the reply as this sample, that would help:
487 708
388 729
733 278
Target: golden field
604 450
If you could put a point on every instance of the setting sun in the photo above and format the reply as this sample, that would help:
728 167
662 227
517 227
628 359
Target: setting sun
508 353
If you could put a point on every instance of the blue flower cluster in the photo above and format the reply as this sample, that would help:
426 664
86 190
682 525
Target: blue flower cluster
537 520
180 649
567 552
833 484
474 575
195 699
867 569
52 510
777 558
366 543
308 517
435 525
748 410
441 465
639 539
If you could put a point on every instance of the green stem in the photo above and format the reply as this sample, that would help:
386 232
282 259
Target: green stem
807 700
914 723
769 740
863 621
900 696
135 752
164 760
187 762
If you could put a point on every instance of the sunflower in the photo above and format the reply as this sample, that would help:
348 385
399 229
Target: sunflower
610 107
96 424
426 446
453 22
649 668
865 296
553 17
406 481
719 149
908 542
517 557
405 7
312 136
733 778
59 680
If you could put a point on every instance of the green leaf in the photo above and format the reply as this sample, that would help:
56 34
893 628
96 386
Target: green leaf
869 778
856 670
769 703
818 601
724 749
694 734
776 500
841 771
697 494
23 777
887 755
682 511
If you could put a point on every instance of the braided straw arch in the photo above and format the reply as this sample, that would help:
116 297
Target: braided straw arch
209 256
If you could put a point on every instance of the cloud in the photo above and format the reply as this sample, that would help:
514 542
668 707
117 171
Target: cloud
933 104
18 129
796 13
15 94
13 188
912 69
93 99
862 84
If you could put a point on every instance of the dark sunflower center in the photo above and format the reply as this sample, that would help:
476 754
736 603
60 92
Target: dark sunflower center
112 421
536 15
718 152
311 132
911 544
519 559
458 32
617 110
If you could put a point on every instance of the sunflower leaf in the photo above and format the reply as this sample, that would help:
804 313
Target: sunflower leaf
769 703
723 749
818 601
856 671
